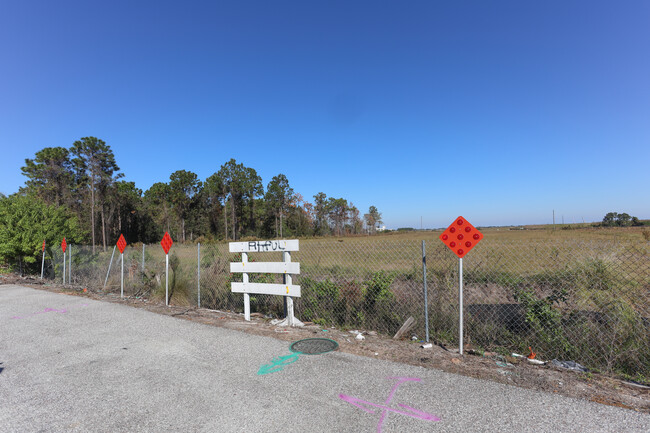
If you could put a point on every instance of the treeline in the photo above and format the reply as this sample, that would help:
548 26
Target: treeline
230 204
615 219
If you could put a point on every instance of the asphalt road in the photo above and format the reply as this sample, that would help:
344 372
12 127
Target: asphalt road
68 363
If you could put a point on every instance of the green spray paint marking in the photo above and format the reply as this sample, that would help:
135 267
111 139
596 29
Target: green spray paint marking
277 364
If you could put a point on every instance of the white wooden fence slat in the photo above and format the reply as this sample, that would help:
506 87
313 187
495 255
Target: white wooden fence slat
266 267
266 289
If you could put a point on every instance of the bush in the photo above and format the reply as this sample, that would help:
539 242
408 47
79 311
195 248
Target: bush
544 321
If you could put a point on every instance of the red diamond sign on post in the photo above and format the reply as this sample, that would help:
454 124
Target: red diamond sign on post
64 245
166 242
121 244
43 246
461 237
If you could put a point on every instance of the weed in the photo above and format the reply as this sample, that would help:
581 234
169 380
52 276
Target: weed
646 234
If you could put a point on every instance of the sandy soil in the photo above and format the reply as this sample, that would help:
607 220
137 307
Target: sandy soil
514 371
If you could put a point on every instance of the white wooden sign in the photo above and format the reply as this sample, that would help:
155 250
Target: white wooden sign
286 267
263 246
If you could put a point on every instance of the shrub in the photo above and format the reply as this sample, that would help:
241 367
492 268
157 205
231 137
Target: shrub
544 320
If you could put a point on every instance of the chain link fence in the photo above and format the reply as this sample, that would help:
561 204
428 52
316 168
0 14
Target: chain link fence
586 301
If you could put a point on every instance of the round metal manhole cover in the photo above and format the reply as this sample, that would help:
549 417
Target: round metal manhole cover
314 346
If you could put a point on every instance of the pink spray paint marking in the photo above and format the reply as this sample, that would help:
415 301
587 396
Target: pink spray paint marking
47 310
408 411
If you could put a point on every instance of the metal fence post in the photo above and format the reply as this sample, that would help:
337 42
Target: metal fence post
43 261
198 273
143 258
70 264
424 279
109 267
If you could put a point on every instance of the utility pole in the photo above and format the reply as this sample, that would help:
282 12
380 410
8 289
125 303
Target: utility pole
553 219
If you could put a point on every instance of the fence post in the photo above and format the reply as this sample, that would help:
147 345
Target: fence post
426 303
143 257
198 273
286 257
43 261
63 268
247 297
70 265
109 267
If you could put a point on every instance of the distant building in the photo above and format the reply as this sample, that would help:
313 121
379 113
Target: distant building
381 229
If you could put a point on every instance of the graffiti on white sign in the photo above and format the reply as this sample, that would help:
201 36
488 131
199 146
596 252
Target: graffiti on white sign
263 246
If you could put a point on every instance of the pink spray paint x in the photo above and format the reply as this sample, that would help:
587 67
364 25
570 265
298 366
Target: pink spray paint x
407 410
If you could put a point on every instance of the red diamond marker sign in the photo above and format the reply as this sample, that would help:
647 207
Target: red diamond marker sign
461 237
121 244
166 242
43 246
64 245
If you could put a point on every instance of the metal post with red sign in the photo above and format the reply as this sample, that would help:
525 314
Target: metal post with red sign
461 237
64 245
121 244
166 244
43 261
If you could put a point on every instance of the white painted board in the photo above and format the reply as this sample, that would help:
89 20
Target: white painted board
263 246
266 289
266 267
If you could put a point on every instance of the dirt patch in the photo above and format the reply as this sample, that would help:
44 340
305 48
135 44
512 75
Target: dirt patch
513 371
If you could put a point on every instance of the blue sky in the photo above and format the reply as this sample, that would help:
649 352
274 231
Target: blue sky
498 111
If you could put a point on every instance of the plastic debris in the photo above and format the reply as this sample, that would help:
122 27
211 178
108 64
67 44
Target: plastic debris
427 346
531 360
359 337
569 365
636 384
285 322
355 332
414 338
532 354
504 364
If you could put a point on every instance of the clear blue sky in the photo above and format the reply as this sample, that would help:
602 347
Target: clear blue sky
497 111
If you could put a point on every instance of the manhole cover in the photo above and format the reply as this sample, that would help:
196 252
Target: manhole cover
314 346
